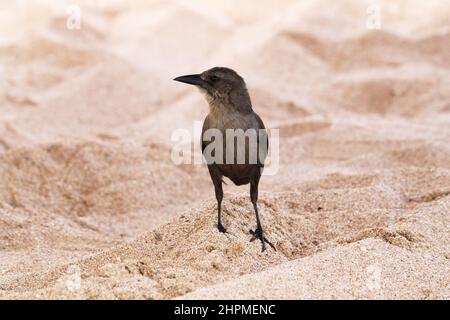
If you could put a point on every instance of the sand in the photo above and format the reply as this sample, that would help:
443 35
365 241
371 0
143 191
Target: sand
93 207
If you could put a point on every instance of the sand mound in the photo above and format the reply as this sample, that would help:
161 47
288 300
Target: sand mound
328 216
374 49
317 278
381 260
62 114
89 178
165 264
406 95
76 198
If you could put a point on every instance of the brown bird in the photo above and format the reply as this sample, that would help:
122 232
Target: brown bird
230 111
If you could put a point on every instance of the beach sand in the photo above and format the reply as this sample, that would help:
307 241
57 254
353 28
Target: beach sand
93 207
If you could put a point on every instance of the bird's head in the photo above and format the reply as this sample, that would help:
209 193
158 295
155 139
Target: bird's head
221 86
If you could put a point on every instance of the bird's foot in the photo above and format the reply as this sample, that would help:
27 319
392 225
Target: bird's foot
221 228
258 234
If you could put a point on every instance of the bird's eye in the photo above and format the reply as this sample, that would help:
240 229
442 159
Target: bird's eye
214 78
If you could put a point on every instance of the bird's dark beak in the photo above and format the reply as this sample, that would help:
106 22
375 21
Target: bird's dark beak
193 79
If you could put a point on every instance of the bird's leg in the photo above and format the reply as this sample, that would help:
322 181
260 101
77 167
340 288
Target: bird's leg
219 218
258 233
219 197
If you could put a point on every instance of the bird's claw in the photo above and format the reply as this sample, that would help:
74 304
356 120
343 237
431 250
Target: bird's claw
221 228
258 234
